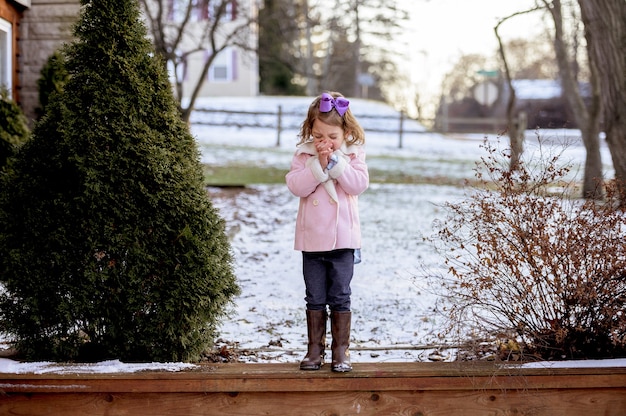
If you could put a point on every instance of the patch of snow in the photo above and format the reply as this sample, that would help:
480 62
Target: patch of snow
618 362
542 89
393 312
104 367
425 152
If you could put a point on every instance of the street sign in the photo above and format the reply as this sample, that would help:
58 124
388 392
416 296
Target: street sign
489 74
486 93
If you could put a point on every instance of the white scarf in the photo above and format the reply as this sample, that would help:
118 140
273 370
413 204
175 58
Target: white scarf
344 152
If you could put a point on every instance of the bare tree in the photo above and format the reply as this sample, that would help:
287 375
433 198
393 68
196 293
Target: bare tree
587 115
280 23
464 75
295 40
516 125
340 43
374 23
531 58
196 31
308 61
605 31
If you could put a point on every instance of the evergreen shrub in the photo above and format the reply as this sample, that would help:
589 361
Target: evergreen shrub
110 245
51 81
13 127
531 268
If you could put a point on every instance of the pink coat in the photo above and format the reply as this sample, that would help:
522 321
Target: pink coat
328 215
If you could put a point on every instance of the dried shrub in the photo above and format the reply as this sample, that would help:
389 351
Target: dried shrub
525 258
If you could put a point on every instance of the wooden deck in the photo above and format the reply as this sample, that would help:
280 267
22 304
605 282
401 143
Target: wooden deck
411 389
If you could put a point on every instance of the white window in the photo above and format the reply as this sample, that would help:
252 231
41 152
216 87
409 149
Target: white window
178 9
178 73
200 9
229 13
224 67
6 54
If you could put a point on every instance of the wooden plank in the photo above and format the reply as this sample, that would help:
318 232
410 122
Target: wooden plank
270 384
281 389
387 369
450 402
288 374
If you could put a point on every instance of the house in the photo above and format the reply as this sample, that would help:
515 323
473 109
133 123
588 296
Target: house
45 26
11 12
234 72
37 28
541 100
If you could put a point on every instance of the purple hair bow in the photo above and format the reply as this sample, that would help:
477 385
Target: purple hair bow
327 102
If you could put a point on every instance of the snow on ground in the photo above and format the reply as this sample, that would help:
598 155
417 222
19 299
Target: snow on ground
104 367
393 310
393 316
390 309
117 367
424 153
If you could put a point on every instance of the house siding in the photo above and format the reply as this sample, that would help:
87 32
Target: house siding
47 25
11 11
44 28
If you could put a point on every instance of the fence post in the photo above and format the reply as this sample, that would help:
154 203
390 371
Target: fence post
445 126
401 130
279 125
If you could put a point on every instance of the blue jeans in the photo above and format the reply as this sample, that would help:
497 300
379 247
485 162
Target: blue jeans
327 277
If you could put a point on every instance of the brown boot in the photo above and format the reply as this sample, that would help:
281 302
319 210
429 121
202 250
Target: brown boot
316 331
340 329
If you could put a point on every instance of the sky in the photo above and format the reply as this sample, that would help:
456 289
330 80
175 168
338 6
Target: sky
440 31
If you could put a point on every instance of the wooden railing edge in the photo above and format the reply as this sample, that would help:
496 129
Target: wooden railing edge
232 377
371 389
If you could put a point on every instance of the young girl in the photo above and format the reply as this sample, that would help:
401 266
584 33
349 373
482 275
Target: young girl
328 172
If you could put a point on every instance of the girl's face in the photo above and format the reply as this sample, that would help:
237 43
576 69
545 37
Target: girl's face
326 135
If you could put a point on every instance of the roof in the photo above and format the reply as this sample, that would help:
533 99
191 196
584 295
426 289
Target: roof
542 89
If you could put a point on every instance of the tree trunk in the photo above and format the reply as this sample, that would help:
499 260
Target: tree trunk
357 51
586 117
515 127
605 31
311 87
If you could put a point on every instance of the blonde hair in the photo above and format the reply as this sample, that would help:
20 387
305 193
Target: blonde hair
348 122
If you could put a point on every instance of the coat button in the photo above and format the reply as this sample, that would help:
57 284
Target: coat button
332 201
316 202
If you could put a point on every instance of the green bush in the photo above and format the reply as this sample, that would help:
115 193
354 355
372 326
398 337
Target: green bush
52 80
13 127
526 261
111 247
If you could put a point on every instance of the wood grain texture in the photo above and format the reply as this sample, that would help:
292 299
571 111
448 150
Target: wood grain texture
412 389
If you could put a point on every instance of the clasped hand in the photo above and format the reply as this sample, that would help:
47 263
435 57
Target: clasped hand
325 151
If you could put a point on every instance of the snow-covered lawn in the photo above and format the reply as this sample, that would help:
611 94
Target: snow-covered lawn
393 317
392 313
393 310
